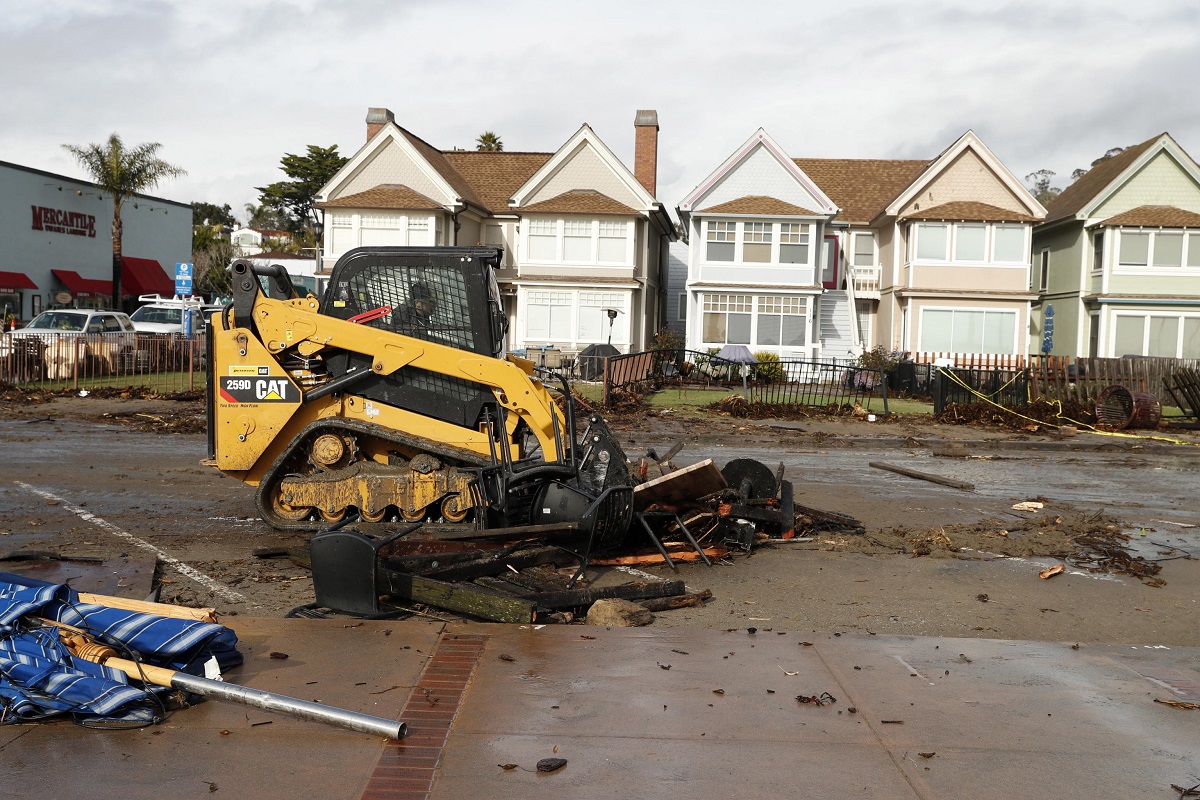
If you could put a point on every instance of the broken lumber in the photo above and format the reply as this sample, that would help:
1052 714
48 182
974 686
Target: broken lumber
678 601
460 598
146 607
682 485
644 559
923 476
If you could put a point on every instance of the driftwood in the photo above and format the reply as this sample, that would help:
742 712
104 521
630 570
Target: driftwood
924 476
679 601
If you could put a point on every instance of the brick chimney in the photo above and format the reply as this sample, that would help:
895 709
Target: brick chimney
376 119
645 149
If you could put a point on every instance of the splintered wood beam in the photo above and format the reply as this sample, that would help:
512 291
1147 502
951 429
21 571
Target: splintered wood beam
569 598
923 476
461 598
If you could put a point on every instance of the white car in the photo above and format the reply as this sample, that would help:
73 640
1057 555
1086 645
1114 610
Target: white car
63 339
166 315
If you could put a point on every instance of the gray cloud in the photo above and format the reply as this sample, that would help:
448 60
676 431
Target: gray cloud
228 86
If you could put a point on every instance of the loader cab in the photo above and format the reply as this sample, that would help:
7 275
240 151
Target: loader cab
446 295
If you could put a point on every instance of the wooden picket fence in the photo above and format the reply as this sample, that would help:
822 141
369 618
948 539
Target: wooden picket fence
1071 377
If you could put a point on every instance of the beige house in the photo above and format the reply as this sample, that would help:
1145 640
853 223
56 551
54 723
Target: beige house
1118 258
844 254
583 235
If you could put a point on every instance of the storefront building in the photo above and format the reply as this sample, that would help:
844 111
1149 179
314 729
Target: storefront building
56 243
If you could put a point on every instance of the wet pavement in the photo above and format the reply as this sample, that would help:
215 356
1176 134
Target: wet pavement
649 713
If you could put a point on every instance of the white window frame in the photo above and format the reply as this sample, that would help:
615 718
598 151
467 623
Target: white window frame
792 305
1181 318
1191 238
855 238
950 250
969 309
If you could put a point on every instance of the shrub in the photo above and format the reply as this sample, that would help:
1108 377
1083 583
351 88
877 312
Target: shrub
768 367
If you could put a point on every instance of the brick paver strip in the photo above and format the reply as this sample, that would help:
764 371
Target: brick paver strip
406 768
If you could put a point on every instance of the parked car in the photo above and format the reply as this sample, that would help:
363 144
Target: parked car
166 314
65 340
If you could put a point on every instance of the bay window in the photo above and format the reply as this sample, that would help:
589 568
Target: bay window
969 242
1158 249
579 241
1161 336
761 320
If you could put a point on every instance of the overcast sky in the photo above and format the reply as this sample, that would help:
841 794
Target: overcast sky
228 86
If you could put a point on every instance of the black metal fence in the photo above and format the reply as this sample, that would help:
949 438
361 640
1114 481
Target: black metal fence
165 363
1004 387
793 382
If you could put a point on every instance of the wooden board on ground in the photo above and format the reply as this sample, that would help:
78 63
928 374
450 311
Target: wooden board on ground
923 476
689 483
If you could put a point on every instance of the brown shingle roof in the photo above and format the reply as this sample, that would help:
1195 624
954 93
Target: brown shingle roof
438 161
970 211
581 201
757 204
861 188
1094 181
387 195
496 175
1157 217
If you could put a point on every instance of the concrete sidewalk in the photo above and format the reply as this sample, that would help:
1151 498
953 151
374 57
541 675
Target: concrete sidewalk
650 713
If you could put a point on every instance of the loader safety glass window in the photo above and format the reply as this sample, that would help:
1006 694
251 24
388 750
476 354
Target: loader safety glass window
426 302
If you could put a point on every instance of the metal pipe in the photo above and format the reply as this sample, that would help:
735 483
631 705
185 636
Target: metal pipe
302 709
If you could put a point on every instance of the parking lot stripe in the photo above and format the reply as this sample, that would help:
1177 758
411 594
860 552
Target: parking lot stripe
214 586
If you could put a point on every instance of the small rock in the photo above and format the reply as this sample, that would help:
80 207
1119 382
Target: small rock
551 764
618 614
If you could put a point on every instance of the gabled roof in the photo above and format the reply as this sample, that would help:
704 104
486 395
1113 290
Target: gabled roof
861 187
970 211
581 201
1156 217
583 138
387 195
759 139
968 142
1091 184
759 204
496 175
437 160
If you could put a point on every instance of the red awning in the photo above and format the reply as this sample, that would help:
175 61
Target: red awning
80 286
145 276
15 282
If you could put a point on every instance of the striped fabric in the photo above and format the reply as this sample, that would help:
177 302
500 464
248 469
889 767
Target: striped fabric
39 677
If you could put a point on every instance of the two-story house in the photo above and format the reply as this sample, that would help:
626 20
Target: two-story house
823 258
1118 258
585 240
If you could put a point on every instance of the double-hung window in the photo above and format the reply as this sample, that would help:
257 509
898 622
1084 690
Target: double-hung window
756 242
781 321
727 318
549 316
614 242
543 239
793 243
721 238
863 250
577 240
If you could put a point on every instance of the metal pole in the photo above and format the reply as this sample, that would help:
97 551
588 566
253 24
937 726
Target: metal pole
303 709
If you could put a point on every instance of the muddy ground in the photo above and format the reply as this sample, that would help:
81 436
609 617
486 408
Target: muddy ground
111 477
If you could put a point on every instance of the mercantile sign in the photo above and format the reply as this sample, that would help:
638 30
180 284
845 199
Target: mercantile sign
56 220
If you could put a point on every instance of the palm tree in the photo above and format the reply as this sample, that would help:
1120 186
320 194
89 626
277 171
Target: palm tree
489 141
122 173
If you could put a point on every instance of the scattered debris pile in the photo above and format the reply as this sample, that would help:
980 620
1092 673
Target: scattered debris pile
737 406
1040 412
543 573
1094 542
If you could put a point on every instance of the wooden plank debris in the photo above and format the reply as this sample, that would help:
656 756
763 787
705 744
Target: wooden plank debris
463 598
688 483
923 476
